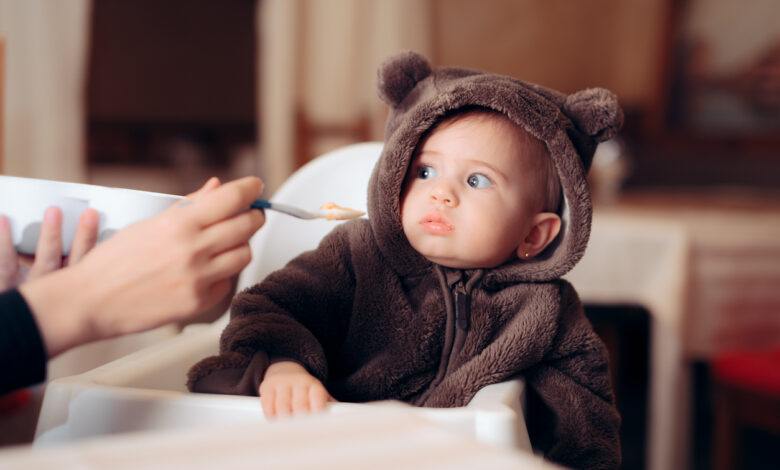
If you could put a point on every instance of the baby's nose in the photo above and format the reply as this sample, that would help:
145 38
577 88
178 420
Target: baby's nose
442 194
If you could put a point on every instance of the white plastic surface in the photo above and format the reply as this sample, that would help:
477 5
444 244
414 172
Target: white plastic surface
24 200
145 391
365 437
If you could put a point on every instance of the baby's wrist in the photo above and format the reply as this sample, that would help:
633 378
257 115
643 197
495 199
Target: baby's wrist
285 366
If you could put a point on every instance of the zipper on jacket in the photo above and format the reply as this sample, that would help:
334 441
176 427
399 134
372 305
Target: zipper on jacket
461 298
461 303
457 301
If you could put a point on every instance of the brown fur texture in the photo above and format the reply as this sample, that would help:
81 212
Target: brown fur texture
373 319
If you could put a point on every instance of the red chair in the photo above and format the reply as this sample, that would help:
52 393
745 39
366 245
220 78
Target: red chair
746 386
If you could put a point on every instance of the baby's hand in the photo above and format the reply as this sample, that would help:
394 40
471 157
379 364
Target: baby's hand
288 388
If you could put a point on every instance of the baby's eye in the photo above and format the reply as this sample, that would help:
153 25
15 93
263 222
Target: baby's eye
479 181
425 172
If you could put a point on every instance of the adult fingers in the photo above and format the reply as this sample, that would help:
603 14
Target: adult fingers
48 251
211 296
25 261
225 201
9 261
232 232
228 263
86 236
210 184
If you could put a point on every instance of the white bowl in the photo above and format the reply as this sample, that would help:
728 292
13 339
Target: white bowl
24 200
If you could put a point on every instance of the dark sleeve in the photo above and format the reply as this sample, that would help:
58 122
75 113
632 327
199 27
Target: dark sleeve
21 347
571 412
298 313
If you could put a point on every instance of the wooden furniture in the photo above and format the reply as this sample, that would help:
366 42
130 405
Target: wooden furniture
733 268
313 139
706 267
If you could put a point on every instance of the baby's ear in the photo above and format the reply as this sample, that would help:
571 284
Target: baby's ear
399 74
545 228
596 112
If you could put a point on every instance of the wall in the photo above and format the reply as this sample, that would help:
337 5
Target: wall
558 43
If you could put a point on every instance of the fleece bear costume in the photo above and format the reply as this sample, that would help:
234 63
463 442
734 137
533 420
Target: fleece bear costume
373 319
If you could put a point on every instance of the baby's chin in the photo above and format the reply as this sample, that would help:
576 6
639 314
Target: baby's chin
461 263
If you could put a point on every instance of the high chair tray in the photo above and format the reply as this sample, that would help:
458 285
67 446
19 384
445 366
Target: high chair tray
145 391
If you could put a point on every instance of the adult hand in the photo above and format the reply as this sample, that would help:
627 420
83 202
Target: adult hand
16 269
159 270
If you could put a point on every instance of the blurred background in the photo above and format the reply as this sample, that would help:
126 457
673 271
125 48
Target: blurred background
160 94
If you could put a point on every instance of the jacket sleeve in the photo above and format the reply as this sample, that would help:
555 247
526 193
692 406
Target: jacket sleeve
21 346
572 417
297 313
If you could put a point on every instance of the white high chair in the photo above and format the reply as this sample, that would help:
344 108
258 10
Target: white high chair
146 390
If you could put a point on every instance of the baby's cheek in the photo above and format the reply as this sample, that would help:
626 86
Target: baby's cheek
484 215
407 215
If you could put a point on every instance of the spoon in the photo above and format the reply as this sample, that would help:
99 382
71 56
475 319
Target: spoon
329 210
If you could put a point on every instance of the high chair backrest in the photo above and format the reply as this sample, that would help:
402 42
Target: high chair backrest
340 176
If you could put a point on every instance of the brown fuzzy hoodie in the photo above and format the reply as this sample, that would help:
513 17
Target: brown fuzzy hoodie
373 319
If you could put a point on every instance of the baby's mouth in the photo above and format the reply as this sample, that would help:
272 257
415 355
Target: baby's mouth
435 222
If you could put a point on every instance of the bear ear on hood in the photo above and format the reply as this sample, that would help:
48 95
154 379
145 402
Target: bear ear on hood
596 112
399 74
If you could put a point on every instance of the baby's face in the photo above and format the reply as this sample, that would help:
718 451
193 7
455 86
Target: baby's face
471 193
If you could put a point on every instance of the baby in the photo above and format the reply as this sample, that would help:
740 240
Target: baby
477 206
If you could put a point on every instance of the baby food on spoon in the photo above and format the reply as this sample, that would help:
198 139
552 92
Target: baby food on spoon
333 211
